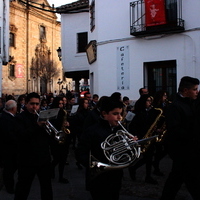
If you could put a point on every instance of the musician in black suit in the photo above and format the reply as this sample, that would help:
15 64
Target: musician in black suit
182 120
105 185
33 152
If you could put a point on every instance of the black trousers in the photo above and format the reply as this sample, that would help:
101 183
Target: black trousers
182 172
105 194
106 186
146 159
60 154
9 169
26 175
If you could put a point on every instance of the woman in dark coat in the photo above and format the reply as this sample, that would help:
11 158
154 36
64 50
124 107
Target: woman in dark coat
59 150
139 126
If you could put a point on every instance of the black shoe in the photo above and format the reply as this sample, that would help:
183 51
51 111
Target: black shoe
79 165
151 180
63 180
158 173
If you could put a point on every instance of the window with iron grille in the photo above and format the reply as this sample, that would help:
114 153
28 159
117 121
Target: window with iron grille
82 41
155 17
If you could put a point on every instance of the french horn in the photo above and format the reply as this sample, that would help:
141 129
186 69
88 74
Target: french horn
120 149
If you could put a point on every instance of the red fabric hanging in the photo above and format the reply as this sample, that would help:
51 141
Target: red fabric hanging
155 12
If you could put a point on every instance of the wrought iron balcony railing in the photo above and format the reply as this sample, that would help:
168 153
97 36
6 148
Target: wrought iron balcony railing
148 18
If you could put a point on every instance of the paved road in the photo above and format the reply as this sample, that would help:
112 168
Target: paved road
75 190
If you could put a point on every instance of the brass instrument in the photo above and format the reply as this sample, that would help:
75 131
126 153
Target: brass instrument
64 127
162 128
50 129
151 131
120 149
162 133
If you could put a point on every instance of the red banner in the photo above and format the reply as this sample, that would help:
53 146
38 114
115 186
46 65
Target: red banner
155 12
19 71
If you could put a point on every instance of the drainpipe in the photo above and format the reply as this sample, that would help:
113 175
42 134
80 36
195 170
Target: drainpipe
27 47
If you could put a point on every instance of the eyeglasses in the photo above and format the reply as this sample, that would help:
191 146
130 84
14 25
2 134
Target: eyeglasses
34 103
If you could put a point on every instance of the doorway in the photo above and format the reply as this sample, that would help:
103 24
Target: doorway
161 75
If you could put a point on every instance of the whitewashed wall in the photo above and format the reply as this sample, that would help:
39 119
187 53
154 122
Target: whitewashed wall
71 24
112 30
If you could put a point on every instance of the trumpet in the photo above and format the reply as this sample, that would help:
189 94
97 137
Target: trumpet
50 129
120 149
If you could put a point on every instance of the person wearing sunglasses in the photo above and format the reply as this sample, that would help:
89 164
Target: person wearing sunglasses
34 156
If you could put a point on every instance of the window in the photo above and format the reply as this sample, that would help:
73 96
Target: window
161 75
171 11
12 40
42 34
82 41
156 17
92 16
11 70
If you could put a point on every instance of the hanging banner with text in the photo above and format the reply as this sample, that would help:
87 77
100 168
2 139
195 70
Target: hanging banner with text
123 71
155 12
19 71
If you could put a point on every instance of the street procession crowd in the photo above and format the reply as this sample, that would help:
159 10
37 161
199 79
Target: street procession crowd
107 134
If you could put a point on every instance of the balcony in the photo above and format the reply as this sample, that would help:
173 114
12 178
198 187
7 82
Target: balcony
148 18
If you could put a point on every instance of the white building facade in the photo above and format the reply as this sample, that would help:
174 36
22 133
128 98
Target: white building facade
137 44
74 38
4 36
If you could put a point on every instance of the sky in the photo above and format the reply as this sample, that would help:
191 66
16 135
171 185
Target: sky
60 2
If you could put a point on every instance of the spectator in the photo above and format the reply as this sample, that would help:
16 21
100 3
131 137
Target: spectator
8 144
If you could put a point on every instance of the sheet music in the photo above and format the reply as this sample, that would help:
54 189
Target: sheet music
48 114
74 109
130 116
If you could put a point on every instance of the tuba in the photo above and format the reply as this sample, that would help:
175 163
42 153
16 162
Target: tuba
120 149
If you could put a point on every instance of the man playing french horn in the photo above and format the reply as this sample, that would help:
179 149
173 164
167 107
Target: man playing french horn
104 185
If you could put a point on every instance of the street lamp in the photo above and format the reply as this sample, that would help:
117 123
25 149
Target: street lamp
59 50
59 83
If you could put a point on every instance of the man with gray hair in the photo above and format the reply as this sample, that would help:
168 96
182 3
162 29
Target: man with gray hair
8 144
